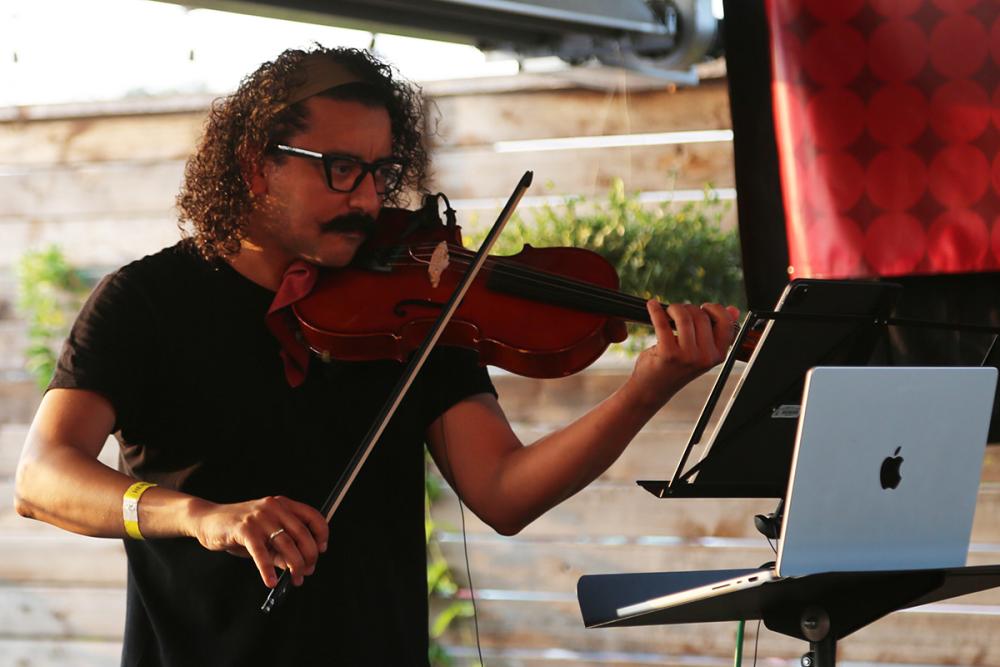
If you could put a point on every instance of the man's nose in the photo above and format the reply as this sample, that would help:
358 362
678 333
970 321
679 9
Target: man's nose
365 197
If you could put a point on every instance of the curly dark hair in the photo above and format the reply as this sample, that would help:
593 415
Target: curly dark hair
215 200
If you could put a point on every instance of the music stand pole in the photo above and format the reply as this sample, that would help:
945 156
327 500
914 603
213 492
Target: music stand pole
815 624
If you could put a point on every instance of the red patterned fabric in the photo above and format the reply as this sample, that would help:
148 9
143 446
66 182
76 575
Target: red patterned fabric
297 282
887 114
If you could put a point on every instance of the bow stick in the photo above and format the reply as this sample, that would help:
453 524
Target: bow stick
361 454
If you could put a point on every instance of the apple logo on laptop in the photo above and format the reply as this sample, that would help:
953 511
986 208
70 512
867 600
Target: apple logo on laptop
889 475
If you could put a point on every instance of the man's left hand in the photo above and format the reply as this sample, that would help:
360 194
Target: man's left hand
699 339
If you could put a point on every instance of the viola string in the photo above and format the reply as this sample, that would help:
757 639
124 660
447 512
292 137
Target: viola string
570 288
559 285
539 277
535 277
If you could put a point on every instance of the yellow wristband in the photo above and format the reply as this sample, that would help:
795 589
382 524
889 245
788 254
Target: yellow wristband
130 508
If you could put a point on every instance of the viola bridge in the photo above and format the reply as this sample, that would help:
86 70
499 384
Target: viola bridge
438 263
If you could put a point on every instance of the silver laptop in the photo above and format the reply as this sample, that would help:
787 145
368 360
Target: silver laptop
885 475
886 469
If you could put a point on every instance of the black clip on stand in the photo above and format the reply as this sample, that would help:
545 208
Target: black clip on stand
814 622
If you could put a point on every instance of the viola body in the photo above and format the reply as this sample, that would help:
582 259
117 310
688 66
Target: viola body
522 313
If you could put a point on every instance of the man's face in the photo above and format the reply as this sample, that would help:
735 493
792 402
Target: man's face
297 207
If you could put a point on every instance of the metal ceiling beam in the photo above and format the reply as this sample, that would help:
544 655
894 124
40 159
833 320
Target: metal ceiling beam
653 36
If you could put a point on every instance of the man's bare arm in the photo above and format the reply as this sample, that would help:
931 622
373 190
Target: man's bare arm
60 481
509 485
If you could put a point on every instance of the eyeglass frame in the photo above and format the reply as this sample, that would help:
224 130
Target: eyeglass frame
328 158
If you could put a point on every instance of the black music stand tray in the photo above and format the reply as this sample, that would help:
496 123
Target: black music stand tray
818 608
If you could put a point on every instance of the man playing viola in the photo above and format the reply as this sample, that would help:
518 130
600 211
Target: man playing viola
172 354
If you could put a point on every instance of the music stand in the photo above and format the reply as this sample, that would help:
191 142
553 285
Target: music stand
815 323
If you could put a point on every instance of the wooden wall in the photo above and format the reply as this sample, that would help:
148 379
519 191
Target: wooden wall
468 165
103 186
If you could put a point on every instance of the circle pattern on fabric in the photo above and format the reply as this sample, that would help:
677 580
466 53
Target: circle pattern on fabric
888 124
896 179
960 110
894 243
897 114
959 175
834 55
887 60
958 46
955 238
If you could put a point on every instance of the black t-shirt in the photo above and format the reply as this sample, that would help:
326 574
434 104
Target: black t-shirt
180 348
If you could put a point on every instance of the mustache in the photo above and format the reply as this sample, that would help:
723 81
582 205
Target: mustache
350 222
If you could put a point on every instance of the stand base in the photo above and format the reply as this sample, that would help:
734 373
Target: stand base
819 608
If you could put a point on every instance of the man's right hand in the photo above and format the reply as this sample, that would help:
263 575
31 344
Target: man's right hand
273 531
59 480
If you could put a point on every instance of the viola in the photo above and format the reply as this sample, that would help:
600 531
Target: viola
543 313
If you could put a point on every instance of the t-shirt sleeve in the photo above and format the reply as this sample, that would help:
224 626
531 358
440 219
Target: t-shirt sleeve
105 351
450 375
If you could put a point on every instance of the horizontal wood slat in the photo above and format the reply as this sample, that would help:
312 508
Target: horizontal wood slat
454 120
469 120
475 218
132 187
11 442
551 402
927 636
96 240
18 401
468 656
608 510
477 173
910 638
536 625
49 556
553 568
59 652
39 557
168 136
627 510
13 343
50 612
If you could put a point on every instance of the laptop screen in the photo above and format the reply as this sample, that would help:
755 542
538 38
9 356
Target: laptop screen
886 469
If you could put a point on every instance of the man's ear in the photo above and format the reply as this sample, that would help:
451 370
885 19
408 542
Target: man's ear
255 177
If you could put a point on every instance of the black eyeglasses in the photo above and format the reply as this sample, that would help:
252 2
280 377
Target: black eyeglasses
344 173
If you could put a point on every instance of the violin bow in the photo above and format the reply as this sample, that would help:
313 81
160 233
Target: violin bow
364 449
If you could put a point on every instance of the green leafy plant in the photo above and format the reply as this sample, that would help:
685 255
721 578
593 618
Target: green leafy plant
667 252
50 292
